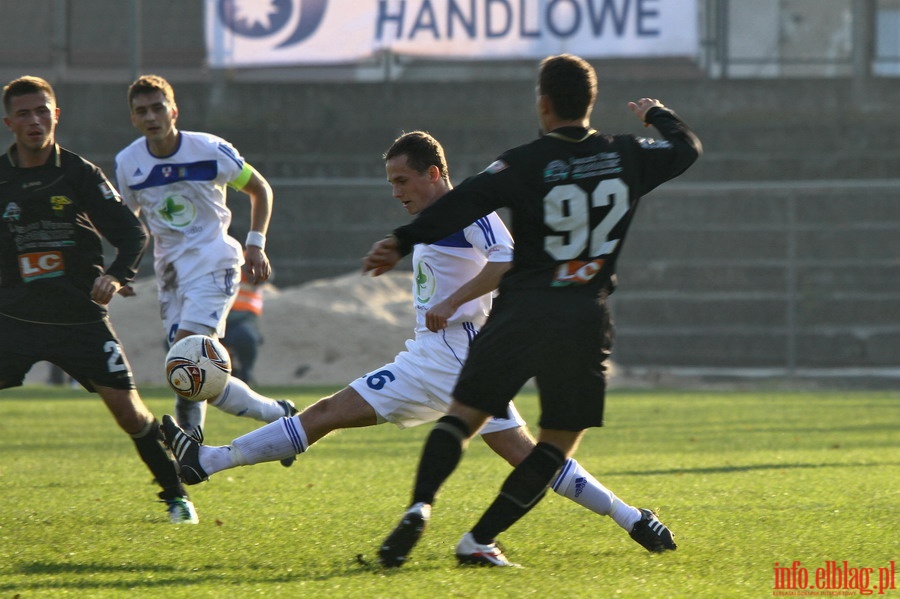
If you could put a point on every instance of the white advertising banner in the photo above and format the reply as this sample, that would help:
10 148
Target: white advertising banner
243 33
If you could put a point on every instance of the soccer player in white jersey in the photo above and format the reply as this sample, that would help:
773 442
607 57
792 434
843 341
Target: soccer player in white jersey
452 284
177 181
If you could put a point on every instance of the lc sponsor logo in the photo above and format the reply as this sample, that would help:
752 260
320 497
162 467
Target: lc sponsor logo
577 272
41 265
295 20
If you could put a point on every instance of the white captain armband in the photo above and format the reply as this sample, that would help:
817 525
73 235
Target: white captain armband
256 238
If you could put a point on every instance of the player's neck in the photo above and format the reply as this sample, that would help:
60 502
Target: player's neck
32 158
440 191
164 146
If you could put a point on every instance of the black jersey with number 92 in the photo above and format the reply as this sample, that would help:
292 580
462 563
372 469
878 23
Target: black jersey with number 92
571 193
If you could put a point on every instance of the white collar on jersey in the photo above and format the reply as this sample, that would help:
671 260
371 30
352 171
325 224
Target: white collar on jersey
557 135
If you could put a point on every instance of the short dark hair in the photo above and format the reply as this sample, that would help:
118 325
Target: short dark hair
421 151
570 83
147 84
23 86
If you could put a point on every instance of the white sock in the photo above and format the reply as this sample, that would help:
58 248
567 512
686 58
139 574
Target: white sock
577 484
239 399
275 441
215 458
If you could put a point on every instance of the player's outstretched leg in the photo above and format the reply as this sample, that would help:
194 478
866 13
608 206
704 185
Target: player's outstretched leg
398 544
186 450
652 534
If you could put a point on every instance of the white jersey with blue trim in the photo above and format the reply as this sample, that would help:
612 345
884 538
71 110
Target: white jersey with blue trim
182 198
442 267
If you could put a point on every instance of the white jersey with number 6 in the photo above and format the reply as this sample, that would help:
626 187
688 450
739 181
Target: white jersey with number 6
416 387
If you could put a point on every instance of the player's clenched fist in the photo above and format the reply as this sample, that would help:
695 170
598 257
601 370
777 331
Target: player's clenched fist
104 288
382 257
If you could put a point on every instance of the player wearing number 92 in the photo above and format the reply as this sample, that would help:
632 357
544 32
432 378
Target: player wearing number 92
572 194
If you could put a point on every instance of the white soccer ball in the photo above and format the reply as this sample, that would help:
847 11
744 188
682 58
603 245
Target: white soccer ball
198 368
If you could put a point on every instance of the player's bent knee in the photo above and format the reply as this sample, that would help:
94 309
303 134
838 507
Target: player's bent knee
510 444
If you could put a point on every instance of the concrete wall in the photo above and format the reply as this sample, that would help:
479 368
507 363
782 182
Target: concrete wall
768 275
735 265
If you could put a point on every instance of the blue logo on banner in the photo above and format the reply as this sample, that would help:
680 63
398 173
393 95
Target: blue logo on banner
252 18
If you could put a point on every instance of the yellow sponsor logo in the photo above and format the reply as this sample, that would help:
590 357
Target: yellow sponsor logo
59 202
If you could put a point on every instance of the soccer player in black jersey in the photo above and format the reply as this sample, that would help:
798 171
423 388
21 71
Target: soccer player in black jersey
572 194
54 206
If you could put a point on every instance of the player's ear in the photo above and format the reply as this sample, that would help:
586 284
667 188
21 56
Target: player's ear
434 173
545 106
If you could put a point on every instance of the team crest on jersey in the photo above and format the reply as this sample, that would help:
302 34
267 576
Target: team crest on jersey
12 213
425 282
556 170
178 211
59 203
496 167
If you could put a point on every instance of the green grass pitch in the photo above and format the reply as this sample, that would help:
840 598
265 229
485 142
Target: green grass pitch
745 479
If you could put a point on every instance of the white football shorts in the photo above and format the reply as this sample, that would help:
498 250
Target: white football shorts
417 386
200 305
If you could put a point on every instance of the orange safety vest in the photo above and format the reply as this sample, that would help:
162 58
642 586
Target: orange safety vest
249 298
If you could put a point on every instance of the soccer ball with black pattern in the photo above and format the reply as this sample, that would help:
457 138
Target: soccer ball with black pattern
198 368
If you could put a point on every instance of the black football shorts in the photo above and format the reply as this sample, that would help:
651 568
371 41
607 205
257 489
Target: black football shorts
560 337
89 353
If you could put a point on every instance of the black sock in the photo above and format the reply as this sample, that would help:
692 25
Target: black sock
442 452
524 487
154 453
